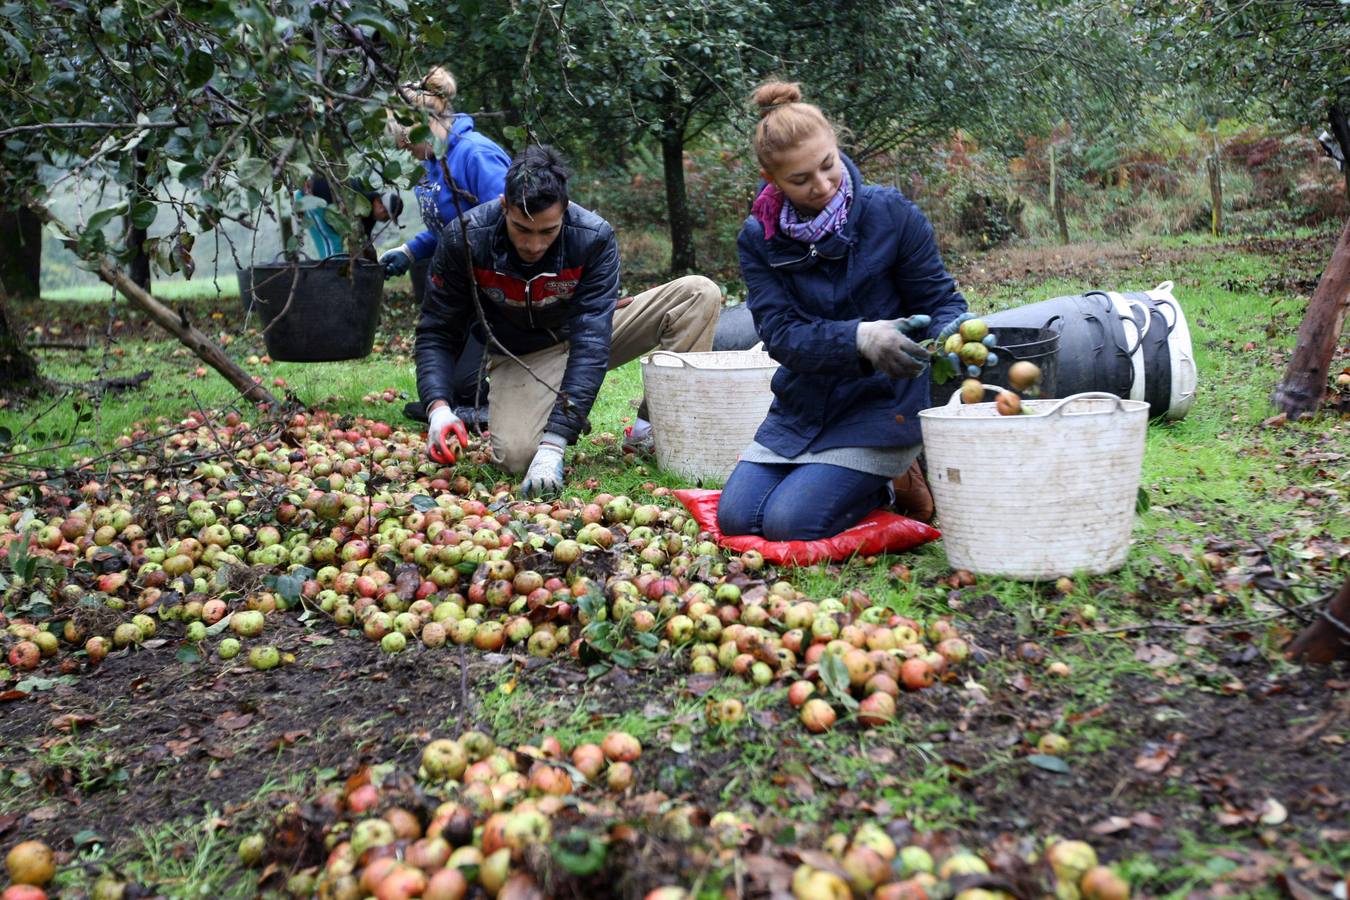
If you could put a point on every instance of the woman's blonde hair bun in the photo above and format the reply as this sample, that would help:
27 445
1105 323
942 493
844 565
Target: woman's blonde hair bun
784 120
772 94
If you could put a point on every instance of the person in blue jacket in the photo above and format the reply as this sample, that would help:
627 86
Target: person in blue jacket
472 171
844 281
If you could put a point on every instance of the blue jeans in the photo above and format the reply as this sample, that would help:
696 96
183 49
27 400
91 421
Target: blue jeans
787 502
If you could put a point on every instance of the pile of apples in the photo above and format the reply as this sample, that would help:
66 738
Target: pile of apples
350 519
480 819
514 822
478 811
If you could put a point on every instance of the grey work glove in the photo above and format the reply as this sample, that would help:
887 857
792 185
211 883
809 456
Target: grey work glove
544 477
888 350
396 261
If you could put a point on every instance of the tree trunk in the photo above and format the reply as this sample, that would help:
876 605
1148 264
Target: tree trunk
1323 640
1057 200
1215 190
18 369
677 200
20 253
138 269
174 322
1305 381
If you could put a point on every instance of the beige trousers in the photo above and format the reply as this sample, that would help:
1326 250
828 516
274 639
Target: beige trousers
680 315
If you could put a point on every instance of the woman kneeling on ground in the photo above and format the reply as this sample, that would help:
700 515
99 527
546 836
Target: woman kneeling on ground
834 270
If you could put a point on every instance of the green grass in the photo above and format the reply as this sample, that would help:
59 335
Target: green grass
1212 474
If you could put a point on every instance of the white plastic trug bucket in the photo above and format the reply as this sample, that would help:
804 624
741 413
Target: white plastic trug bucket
1036 496
706 407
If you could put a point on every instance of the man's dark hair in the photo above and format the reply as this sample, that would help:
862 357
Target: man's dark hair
537 179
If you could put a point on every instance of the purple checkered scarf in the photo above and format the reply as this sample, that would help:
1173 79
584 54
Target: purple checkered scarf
776 214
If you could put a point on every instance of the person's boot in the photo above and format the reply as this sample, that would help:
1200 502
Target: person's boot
415 410
912 496
475 418
637 438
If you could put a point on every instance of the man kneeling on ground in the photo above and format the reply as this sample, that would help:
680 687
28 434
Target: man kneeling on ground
544 273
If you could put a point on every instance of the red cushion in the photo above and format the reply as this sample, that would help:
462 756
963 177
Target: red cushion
878 532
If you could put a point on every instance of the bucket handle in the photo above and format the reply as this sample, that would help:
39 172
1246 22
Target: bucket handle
955 399
1086 395
680 358
670 354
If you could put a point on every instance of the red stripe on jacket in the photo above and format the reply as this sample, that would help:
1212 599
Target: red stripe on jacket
540 291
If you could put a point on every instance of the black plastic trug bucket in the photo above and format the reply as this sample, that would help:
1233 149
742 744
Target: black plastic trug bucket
1093 351
1014 344
333 312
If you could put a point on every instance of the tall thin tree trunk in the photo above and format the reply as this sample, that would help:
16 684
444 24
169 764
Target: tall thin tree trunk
1305 381
677 202
677 198
20 253
1056 200
1215 189
138 268
17 366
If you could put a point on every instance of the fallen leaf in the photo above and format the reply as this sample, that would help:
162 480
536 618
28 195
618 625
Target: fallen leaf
180 748
825 776
44 814
1196 635
1112 825
1156 656
1020 683
769 873
700 684
1146 820
1048 763
882 756
69 721
232 721
288 738
1155 757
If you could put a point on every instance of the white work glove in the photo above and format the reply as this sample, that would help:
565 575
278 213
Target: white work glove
396 261
446 434
888 350
545 474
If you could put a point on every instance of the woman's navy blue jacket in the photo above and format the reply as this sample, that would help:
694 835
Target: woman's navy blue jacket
807 301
